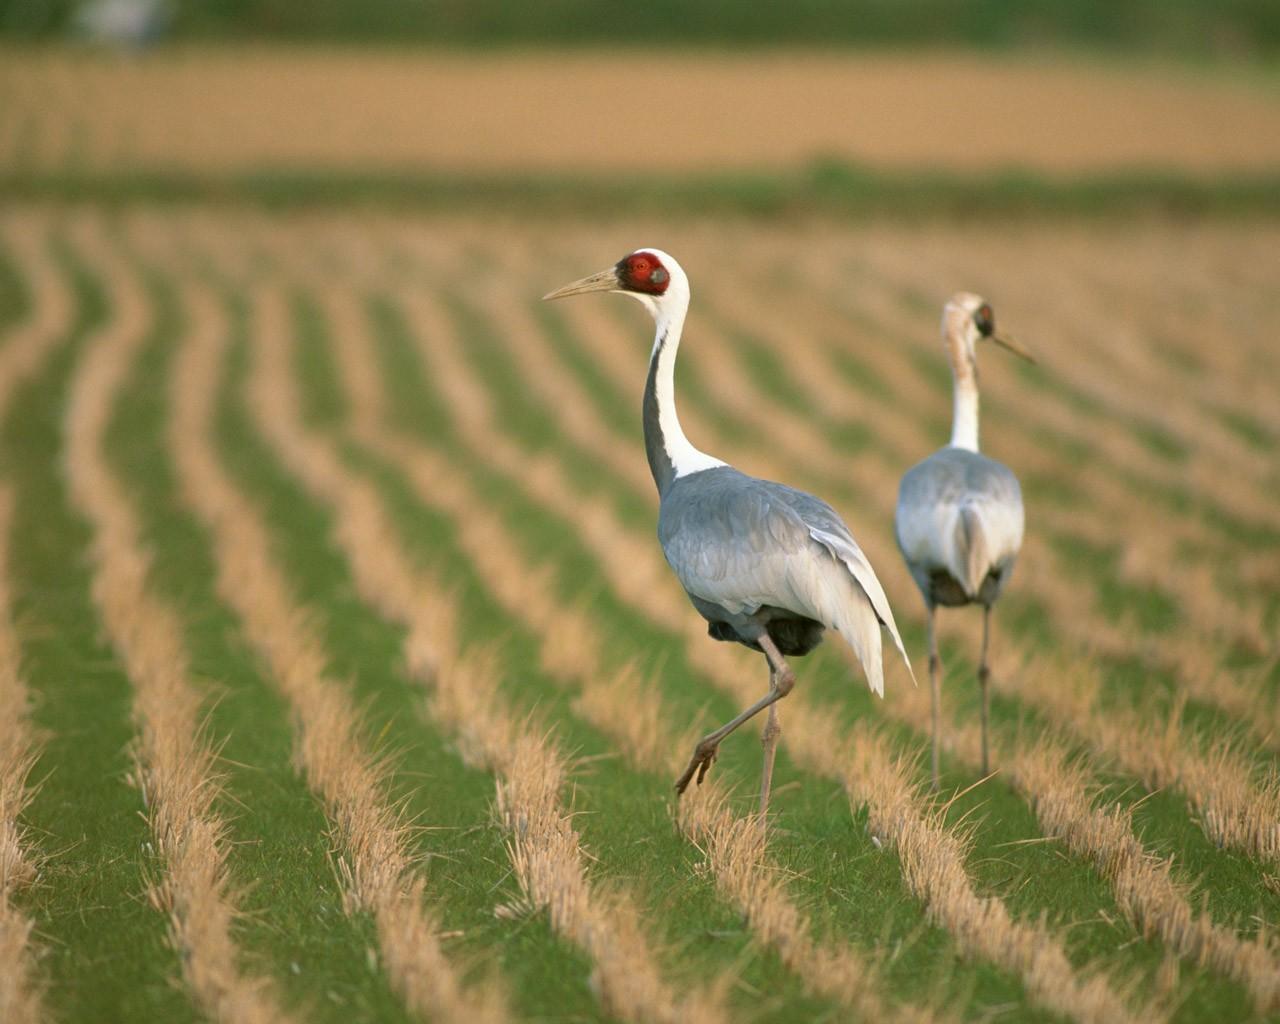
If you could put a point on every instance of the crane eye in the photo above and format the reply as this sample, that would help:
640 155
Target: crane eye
984 320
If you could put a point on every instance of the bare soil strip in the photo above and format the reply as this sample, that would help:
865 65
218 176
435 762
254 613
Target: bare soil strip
465 697
28 345
932 854
1237 809
175 763
375 862
264 108
616 702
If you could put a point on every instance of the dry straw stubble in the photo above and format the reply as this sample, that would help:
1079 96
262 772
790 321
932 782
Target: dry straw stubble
549 862
376 864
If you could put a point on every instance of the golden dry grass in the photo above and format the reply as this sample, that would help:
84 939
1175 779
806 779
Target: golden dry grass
374 859
547 858
175 764
21 996
1061 792
559 112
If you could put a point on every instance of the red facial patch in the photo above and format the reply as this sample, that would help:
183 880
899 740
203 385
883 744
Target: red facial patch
643 272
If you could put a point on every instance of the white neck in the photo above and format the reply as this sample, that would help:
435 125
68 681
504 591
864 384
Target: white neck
685 458
964 416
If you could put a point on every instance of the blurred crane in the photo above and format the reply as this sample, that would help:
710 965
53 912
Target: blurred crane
767 566
959 518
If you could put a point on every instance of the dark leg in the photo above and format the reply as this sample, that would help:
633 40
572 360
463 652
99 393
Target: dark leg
983 675
781 682
934 670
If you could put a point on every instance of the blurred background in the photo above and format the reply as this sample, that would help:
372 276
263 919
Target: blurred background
922 107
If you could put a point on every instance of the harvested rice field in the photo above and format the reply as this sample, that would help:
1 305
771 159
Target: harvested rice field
341 676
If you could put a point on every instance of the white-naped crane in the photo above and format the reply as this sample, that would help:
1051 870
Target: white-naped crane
766 565
959 518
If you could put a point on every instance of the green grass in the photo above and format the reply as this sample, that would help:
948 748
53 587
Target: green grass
1189 28
107 958
294 926
827 188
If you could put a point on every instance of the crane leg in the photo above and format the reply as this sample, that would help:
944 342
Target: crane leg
935 668
769 740
781 682
984 674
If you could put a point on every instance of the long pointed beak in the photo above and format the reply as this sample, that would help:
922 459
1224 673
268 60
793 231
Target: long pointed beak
1004 341
605 281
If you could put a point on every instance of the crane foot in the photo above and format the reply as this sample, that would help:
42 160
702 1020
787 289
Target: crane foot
704 756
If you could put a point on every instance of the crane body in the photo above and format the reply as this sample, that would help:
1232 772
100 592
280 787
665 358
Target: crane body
959 520
767 566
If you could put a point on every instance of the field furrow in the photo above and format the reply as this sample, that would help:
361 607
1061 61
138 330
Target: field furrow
342 676
374 860
175 762
104 947
548 861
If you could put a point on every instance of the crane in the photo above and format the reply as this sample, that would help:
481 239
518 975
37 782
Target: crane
959 518
767 566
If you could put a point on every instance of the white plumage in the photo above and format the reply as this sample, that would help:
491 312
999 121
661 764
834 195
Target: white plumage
959 520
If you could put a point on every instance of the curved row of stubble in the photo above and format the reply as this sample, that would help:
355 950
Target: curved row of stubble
1236 808
547 858
23 353
932 855
175 764
618 703
377 867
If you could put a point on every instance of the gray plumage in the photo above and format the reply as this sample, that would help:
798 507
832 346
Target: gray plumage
752 553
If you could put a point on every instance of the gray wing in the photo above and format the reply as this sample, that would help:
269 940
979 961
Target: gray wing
961 512
740 542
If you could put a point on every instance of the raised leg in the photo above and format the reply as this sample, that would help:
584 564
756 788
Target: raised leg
781 682
983 675
934 671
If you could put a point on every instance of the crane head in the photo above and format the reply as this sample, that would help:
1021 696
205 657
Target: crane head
646 274
968 319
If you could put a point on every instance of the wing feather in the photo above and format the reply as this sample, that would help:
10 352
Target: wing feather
741 543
